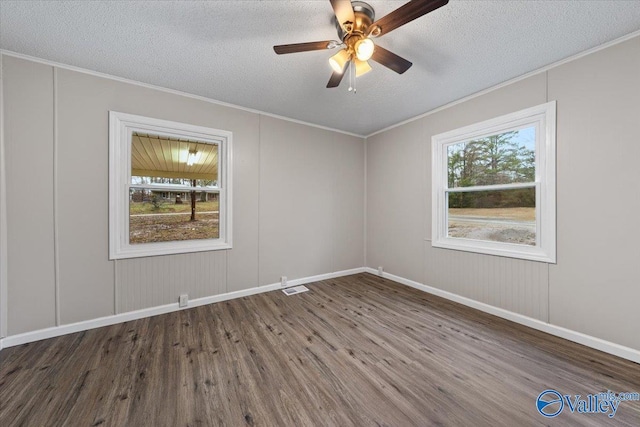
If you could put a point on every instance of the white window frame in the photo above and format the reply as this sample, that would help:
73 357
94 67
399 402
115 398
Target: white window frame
543 117
121 128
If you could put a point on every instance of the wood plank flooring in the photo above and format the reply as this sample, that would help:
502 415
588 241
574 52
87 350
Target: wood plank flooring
357 350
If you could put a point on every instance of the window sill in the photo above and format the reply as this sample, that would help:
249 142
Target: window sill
508 250
168 248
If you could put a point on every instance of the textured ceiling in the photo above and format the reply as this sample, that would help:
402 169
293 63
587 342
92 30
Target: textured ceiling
223 49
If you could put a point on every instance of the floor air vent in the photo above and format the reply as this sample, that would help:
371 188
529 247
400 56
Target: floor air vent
295 290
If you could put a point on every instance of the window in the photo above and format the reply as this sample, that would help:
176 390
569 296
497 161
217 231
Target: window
494 186
169 187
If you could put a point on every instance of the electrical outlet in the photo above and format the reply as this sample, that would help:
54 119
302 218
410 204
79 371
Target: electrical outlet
183 300
380 271
283 280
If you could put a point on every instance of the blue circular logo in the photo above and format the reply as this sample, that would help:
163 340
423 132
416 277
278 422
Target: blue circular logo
550 403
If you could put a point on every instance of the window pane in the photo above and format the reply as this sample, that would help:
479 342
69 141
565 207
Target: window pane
497 159
163 215
499 216
169 161
160 216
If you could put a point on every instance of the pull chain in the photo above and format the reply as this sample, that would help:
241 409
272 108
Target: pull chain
352 77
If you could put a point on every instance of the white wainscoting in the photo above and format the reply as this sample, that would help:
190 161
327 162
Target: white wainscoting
516 285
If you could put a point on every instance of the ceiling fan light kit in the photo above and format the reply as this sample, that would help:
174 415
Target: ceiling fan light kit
356 25
339 61
364 49
362 67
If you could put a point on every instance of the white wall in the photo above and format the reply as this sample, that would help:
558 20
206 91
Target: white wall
594 287
29 197
298 200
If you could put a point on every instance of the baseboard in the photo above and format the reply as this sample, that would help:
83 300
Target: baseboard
56 331
568 334
319 277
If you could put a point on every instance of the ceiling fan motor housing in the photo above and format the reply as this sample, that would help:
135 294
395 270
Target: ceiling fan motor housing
365 16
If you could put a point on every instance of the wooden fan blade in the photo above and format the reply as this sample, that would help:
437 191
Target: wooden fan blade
303 47
336 78
390 60
404 14
344 14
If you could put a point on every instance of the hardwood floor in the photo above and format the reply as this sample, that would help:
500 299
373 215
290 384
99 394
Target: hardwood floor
357 350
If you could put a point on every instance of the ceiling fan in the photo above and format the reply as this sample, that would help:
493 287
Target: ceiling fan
357 27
